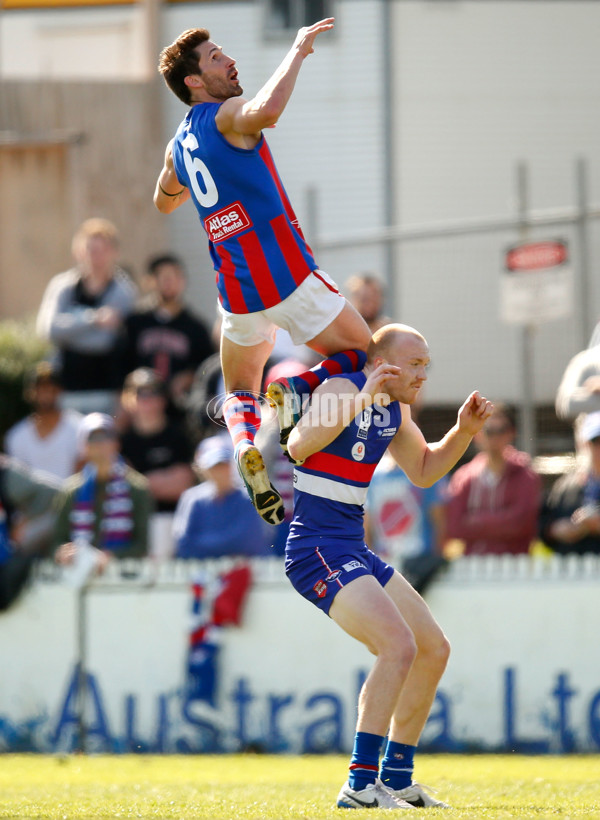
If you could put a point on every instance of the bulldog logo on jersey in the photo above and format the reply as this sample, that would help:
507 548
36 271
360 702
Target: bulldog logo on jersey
358 451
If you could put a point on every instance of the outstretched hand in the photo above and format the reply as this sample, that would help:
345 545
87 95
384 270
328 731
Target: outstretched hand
306 36
474 413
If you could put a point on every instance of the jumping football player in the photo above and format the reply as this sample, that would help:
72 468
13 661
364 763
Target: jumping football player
266 274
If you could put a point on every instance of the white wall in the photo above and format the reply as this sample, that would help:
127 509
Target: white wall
478 87
522 669
481 86
82 43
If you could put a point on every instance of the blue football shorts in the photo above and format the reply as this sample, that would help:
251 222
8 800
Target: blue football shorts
318 573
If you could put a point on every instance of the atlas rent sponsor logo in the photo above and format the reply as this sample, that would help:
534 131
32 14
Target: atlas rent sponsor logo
227 222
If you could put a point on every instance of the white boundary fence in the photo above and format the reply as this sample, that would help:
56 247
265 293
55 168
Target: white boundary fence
524 673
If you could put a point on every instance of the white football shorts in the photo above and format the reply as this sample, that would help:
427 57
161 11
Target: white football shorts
304 314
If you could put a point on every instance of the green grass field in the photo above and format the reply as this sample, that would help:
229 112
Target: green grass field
276 788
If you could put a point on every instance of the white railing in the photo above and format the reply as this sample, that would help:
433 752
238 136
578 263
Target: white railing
470 569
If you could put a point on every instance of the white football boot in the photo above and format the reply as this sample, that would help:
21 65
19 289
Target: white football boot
374 796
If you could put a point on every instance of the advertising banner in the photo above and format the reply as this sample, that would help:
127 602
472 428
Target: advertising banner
522 676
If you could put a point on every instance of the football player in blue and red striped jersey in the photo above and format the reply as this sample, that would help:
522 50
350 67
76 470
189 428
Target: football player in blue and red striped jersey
266 274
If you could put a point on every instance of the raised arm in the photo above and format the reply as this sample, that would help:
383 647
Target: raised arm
426 463
264 109
169 193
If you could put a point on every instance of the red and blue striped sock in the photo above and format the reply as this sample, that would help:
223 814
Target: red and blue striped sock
397 765
241 411
348 361
364 764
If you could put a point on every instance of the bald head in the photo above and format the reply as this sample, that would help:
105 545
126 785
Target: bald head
392 339
405 348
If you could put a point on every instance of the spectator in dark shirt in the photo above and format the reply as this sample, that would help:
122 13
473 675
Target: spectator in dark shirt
168 337
153 445
82 314
570 517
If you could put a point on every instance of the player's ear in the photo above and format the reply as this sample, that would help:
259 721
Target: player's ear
193 81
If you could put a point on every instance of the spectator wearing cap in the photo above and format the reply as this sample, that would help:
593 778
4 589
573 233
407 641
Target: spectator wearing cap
107 504
168 338
216 517
494 500
570 517
46 440
82 314
154 446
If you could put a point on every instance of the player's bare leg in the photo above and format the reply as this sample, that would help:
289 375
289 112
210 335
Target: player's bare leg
347 331
242 371
433 650
416 696
243 366
366 612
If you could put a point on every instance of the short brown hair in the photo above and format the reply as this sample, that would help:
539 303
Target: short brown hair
179 60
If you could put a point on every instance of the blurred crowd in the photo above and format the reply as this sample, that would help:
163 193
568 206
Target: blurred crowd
123 455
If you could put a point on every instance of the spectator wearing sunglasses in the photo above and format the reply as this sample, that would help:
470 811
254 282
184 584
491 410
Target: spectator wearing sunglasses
494 500
570 517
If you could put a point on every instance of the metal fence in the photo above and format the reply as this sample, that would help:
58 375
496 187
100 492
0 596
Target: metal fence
445 279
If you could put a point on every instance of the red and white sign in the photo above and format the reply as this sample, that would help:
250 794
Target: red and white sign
227 222
537 283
